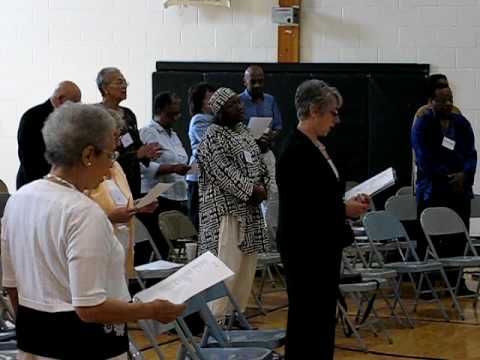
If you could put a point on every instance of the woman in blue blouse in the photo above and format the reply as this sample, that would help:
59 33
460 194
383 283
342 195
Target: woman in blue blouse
198 97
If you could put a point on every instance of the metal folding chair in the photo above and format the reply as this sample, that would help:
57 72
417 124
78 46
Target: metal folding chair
361 294
443 221
158 268
405 190
190 348
177 229
382 226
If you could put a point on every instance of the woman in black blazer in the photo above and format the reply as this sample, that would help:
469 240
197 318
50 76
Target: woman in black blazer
312 228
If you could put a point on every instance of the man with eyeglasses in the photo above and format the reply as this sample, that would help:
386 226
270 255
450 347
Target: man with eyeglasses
446 158
31 147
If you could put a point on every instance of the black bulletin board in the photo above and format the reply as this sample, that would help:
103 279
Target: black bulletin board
380 101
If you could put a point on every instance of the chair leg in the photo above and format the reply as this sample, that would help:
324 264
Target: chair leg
452 295
437 299
398 300
355 332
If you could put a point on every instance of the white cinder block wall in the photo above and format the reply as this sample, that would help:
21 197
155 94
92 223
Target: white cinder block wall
45 41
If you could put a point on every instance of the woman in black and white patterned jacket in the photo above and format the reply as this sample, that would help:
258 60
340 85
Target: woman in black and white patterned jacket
233 182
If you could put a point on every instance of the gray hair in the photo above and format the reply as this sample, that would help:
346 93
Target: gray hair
318 93
104 77
71 128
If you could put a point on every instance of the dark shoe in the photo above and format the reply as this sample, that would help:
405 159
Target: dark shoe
236 324
427 296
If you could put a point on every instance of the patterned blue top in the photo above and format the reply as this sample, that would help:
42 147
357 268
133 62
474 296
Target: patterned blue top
435 161
266 108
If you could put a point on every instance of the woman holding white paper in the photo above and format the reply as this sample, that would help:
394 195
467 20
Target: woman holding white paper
233 183
115 198
63 268
312 228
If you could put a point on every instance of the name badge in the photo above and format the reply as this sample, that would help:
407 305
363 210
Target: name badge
126 140
248 157
448 143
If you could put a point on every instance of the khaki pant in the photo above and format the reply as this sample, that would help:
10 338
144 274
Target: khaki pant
244 266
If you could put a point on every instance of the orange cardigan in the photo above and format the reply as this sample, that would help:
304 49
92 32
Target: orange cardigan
101 195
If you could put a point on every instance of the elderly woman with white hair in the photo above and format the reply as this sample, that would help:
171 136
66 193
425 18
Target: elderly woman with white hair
62 266
233 182
312 228
113 87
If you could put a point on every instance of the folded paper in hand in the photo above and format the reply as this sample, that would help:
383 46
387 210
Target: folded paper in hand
152 195
374 185
194 170
259 126
198 275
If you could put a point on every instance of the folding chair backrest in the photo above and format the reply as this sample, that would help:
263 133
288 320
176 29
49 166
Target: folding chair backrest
441 221
383 226
403 207
142 234
3 202
475 207
176 225
444 221
405 190
3 187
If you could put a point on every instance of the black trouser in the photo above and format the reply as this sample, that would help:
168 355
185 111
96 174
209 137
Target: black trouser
446 245
307 306
144 250
193 203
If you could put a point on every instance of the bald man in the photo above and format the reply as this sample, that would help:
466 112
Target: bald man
31 147
255 101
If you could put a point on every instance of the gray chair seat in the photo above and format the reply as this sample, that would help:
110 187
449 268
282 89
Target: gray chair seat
378 273
414 266
475 241
7 335
363 286
358 230
270 339
157 269
236 354
268 258
461 261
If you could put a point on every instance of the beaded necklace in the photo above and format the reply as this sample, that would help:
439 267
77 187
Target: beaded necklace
61 181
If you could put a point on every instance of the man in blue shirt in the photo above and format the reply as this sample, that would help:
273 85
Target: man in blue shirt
446 159
256 103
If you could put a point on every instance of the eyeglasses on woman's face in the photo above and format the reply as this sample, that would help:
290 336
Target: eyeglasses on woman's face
111 155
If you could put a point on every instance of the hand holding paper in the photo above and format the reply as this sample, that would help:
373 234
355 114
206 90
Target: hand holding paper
200 274
259 126
374 185
152 195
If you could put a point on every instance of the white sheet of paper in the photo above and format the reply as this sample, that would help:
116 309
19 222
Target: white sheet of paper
259 126
374 185
161 265
194 170
198 275
152 195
